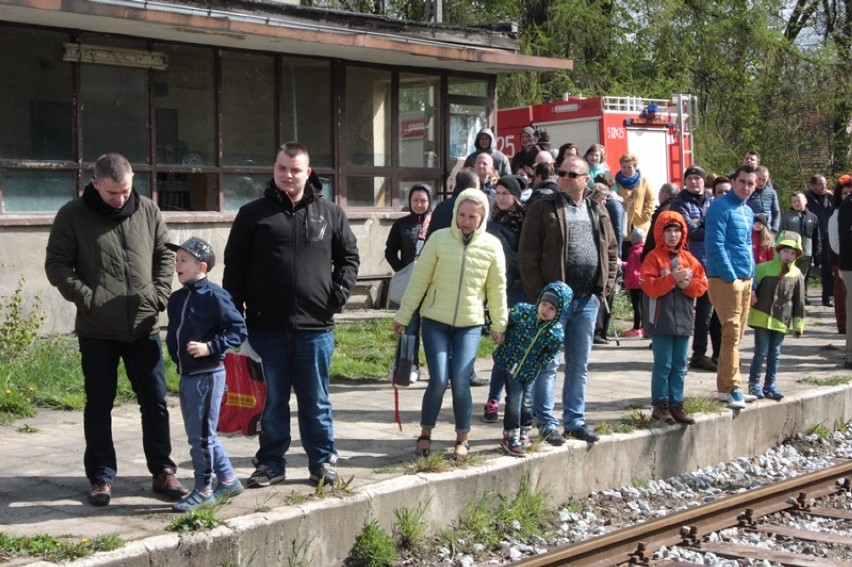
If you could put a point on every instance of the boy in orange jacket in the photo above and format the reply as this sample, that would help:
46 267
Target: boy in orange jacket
672 278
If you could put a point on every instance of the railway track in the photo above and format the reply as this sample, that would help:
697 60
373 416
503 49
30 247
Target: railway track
689 528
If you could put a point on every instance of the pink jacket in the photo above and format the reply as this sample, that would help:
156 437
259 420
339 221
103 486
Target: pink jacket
633 266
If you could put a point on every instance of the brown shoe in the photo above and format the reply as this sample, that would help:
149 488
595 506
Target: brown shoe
661 412
679 414
166 483
100 494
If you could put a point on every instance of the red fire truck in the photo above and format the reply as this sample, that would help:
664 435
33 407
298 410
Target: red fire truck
657 131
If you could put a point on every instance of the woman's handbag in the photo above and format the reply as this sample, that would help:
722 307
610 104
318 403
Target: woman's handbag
398 283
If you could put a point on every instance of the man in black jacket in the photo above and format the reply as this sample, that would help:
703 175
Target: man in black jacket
821 203
291 263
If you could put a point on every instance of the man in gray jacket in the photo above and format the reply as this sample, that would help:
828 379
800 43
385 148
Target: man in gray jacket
107 254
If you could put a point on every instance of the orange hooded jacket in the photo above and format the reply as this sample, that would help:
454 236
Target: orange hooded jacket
670 308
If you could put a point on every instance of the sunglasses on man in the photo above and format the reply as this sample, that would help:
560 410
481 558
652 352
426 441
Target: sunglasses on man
571 174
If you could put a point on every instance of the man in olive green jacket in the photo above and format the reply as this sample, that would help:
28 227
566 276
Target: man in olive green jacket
107 254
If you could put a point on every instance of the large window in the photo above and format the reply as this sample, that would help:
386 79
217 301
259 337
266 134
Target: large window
368 116
248 115
200 124
306 107
185 107
114 115
37 96
419 120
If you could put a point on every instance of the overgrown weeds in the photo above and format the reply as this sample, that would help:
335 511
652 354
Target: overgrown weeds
205 517
410 528
526 516
374 547
50 548
837 380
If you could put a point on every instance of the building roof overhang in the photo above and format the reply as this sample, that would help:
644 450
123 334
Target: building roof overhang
265 25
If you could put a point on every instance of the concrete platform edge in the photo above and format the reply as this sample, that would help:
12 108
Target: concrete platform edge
328 527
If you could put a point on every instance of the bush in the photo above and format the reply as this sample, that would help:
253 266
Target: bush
19 327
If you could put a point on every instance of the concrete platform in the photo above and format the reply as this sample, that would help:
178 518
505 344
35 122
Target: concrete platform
44 489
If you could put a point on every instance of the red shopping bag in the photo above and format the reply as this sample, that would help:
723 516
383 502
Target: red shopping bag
245 396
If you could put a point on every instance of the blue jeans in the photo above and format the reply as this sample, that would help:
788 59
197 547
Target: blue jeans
143 362
579 326
669 373
519 402
450 355
297 360
200 401
767 346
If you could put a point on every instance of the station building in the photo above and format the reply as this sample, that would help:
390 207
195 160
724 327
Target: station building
199 94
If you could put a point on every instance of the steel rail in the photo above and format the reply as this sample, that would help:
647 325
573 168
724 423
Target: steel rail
620 545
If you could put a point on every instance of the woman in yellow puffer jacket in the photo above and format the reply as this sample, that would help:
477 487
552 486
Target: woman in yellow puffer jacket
458 269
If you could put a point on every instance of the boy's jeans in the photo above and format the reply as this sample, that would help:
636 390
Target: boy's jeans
297 361
450 355
200 401
669 373
519 400
767 346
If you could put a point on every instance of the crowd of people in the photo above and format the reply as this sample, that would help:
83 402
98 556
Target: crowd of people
703 263
533 248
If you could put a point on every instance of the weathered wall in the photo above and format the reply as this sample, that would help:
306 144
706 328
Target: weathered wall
22 252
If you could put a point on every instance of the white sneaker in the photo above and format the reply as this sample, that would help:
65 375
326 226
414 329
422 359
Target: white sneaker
415 375
747 398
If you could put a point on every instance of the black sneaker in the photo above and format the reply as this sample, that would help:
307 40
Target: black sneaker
552 437
583 433
325 472
264 476
477 380
100 494
702 362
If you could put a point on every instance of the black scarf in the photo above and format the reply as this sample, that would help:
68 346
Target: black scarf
92 198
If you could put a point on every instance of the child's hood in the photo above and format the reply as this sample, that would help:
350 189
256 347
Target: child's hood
790 239
563 292
666 218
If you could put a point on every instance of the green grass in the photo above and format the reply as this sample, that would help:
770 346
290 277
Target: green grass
48 375
51 548
410 529
374 547
527 516
364 350
703 404
205 517
826 381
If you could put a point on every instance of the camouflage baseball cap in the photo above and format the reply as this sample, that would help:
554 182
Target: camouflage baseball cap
199 248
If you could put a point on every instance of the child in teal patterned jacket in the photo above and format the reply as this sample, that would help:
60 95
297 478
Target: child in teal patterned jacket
534 336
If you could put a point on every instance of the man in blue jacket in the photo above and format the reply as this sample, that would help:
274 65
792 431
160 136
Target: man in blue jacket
730 268
291 262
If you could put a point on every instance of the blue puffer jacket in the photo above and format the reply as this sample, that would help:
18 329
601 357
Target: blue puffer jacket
530 343
766 201
727 238
694 210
